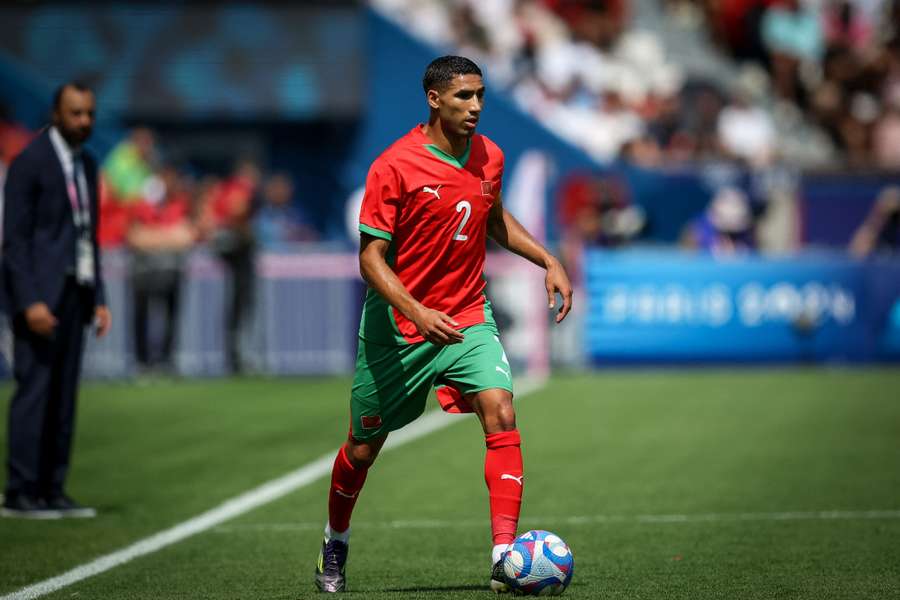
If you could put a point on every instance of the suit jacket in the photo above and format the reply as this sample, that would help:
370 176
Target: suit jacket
39 234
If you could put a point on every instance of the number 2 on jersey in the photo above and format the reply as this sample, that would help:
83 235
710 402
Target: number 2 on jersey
462 205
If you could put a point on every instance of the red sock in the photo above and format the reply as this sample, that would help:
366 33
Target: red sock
503 475
346 482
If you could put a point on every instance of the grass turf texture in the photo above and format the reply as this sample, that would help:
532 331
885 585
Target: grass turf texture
613 444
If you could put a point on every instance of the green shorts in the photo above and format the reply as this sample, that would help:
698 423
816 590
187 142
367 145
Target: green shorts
392 383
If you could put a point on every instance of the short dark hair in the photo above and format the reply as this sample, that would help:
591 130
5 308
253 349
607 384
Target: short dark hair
441 71
74 84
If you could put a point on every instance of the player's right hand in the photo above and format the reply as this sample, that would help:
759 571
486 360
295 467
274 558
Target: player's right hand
40 320
437 327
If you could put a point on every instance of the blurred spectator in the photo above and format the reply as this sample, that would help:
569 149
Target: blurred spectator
594 212
643 151
726 227
886 135
792 34
13 137
280 223
698 133
129 167
736 25
226 221
159 237
127 178
845 24
115 218
745 130
666 129
880 231
599 22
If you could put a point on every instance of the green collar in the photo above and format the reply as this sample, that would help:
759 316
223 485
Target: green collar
459 163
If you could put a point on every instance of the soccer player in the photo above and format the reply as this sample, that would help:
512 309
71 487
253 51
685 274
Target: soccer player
431 200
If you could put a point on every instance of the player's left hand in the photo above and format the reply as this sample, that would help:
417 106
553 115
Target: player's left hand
102 320
557 281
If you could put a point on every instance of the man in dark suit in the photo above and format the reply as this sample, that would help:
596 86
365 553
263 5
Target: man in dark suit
54 288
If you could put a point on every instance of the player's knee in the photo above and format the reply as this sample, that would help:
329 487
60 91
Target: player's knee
362 454
506 416
498 411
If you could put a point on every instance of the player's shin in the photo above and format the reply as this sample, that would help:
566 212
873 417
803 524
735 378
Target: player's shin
346 482
505 480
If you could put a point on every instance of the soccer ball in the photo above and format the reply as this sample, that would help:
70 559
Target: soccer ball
538 563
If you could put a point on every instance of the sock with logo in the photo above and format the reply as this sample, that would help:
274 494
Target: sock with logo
503 475
346 482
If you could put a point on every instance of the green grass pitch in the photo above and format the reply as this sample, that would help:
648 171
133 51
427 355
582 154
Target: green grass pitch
666 484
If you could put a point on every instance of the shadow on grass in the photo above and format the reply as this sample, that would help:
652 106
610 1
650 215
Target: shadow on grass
441 588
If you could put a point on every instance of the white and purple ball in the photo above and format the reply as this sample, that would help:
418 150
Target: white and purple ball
538 563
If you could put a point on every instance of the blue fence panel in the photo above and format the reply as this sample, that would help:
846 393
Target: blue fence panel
304 320
667 306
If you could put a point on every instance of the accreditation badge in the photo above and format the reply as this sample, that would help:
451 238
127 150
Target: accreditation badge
84 263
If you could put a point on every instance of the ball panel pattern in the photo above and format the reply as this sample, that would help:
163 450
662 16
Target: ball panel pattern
539 563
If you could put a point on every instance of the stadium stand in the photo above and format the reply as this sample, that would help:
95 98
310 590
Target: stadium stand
683 80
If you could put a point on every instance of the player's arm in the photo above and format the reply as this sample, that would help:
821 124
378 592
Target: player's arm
433 325
504 229
865 239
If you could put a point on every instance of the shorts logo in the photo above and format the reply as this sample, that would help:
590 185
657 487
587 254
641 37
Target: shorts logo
486 188
371 422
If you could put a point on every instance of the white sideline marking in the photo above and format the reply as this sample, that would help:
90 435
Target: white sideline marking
258 496
824 515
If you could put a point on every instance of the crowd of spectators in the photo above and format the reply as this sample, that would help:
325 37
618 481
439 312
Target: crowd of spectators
242 207
579 67
573 66
586 72
159 211
597 211
835 60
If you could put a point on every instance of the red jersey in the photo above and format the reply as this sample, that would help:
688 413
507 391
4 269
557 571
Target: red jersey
172 211
230 201
434 209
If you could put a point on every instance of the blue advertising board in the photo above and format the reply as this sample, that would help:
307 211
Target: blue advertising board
647 306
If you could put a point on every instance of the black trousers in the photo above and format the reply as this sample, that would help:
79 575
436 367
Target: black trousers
240 266
168 298
42 411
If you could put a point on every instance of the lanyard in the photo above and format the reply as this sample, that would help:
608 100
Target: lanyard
76 185
77 188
